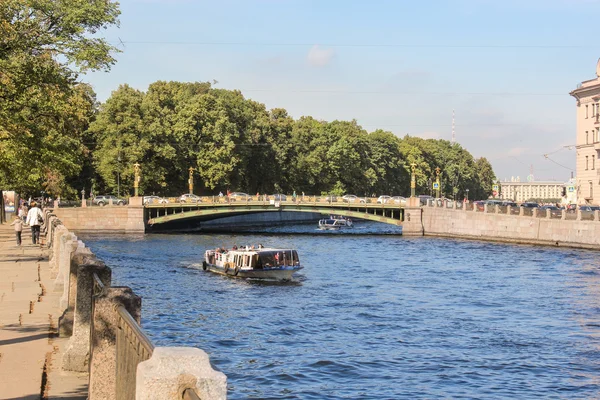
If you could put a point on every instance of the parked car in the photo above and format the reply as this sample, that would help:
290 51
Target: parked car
103 200
479 205
279 197
585 209
399 200
423 199
190 198
555 211
384 199
571 207
155 200
331 199
509 203
530 204
350 198
239 196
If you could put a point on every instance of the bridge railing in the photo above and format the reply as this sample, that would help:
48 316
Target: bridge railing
105 336
268 199
542 213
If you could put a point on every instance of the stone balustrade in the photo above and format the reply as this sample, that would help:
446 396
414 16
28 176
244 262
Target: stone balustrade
93 315
508 224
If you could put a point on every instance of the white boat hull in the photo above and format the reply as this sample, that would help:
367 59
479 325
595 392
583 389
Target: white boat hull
277 273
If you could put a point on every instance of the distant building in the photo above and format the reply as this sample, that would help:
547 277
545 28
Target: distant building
523 191
588 140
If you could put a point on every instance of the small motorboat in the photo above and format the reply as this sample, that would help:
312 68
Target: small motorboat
334 223
261 263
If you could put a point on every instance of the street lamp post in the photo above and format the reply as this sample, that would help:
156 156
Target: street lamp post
83 197
191 180
119 175
437 181
455 184
413 182
467 190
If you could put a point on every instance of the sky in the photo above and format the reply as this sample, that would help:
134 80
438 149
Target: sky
504 67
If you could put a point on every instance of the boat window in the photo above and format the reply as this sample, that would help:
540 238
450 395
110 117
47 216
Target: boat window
257 262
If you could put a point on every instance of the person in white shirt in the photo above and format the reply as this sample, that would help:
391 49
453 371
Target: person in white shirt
34 220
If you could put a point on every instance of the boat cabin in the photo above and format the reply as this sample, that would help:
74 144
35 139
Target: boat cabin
255 259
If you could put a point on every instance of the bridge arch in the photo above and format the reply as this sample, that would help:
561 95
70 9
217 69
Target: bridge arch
387 215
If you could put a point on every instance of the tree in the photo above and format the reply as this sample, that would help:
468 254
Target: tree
485 178
386 173
44 110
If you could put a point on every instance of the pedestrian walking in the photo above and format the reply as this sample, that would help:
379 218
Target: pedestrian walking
35 219
18 224
25 211
21 213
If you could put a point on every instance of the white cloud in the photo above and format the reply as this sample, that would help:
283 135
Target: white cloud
319 57
516 151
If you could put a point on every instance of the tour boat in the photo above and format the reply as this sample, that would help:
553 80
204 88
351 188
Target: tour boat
334 223
261 263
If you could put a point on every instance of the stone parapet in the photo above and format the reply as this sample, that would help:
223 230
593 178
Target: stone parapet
171 370
76 357
117 219
511 228
102 320
103 365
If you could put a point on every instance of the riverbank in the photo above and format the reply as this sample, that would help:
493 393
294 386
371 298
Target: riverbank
29 312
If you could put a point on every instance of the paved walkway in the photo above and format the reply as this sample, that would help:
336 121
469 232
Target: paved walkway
28 318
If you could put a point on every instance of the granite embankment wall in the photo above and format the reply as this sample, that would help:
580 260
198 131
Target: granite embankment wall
111 219
105 339
457 223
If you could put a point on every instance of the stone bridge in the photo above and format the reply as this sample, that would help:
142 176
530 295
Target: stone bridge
155 214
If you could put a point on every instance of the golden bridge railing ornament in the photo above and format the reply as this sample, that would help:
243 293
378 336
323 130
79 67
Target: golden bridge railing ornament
137 178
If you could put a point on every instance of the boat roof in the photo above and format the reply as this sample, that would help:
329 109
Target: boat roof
255 250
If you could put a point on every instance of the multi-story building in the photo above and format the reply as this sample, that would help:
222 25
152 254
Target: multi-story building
587 142
523 191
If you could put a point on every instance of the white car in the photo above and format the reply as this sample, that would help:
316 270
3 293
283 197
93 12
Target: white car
240 196
190 198
399 200
384 199
155 200
350 198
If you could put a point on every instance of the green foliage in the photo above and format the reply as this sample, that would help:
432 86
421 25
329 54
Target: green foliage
44 111
235 143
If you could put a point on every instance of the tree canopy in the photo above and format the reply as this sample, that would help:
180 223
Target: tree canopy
237 144
44 109
54 136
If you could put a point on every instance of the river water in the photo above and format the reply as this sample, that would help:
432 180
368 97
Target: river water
374 315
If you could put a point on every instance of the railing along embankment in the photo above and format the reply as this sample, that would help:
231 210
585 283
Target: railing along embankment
105 336
545 226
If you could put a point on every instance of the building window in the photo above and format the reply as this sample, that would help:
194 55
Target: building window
591 190
586 163
593 162
596 113
587 141
586 110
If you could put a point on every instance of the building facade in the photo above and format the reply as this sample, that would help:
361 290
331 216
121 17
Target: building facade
587 142
523 191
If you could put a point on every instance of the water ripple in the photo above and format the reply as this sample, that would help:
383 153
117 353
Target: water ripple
376 317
